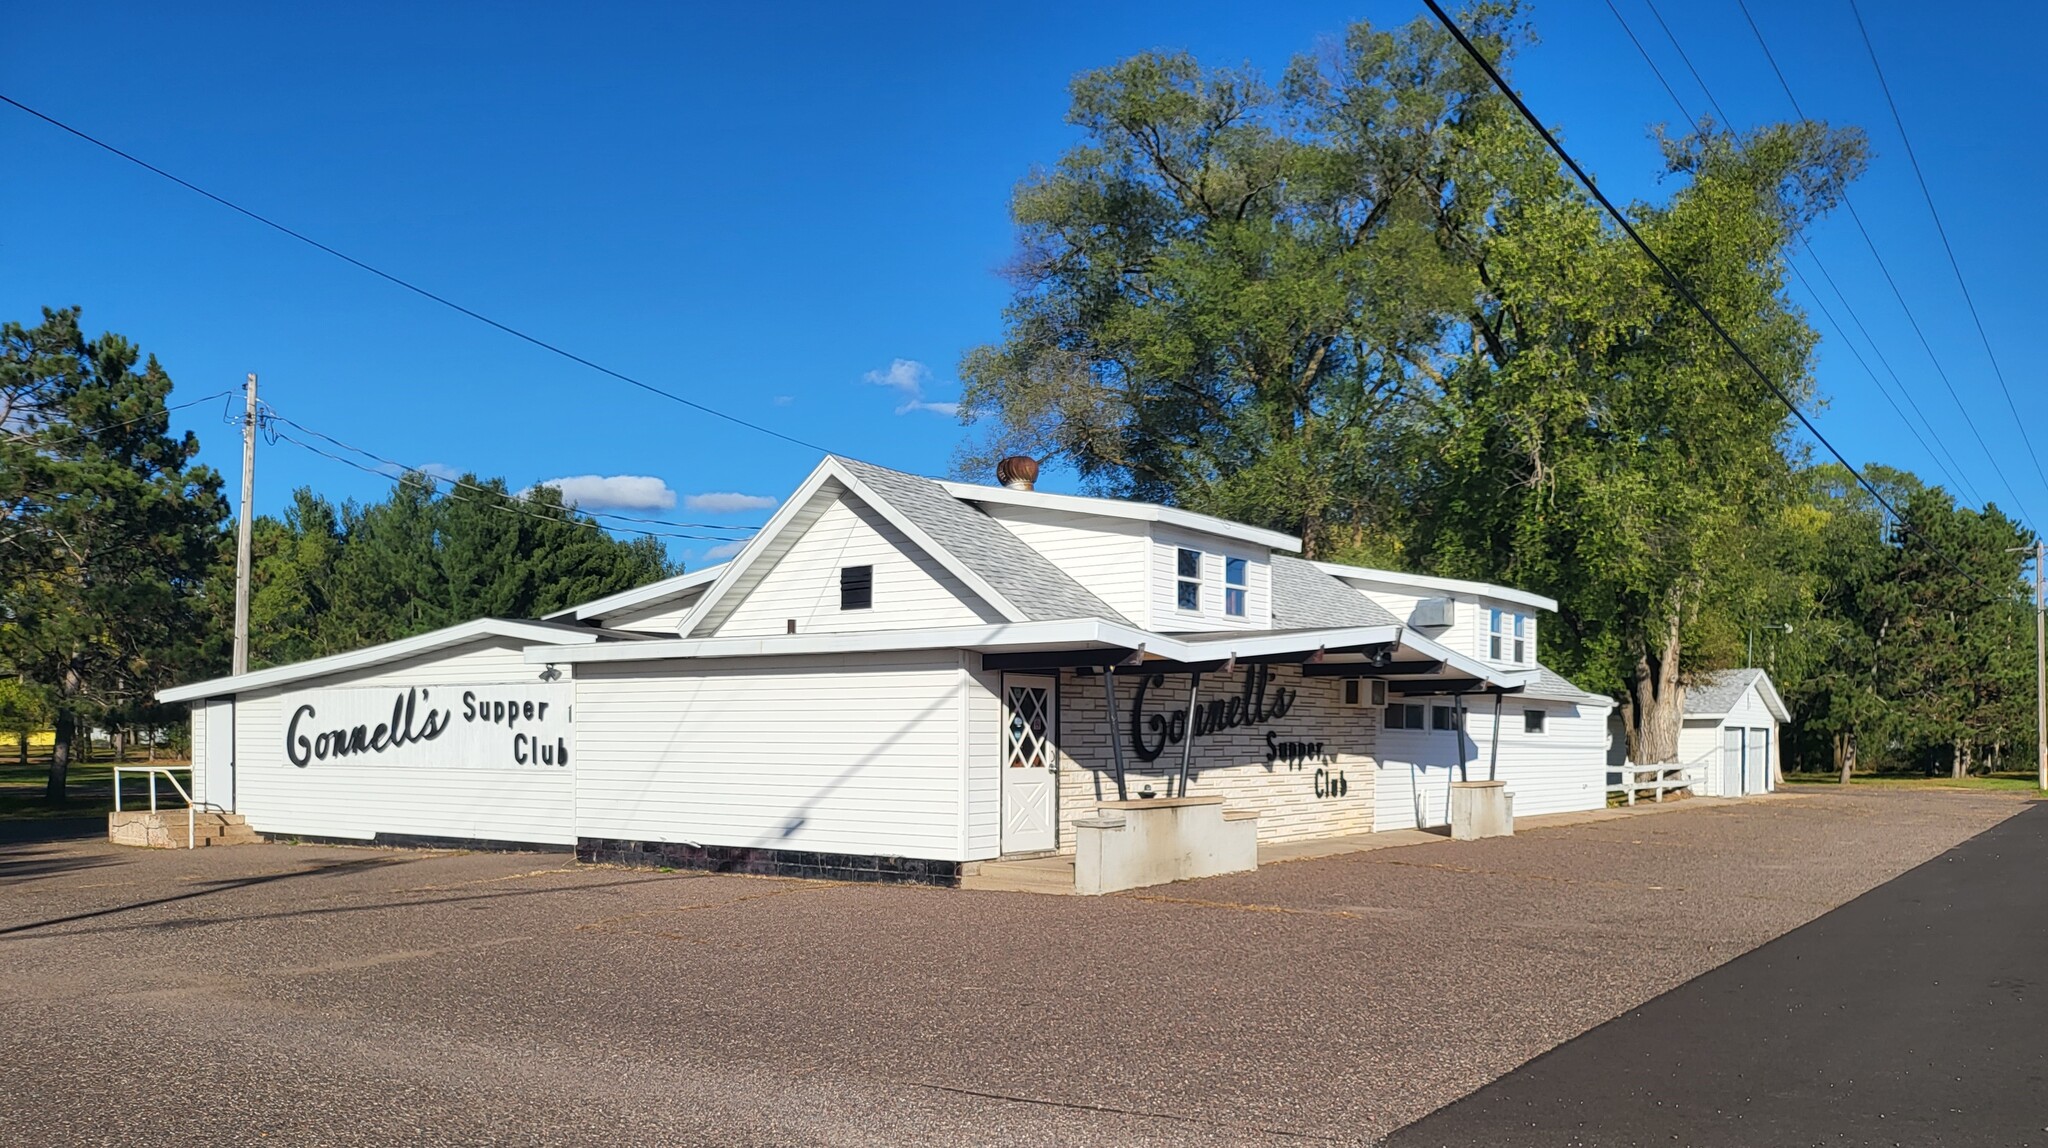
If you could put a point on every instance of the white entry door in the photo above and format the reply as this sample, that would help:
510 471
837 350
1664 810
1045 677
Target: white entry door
217 756
1030 776
1731 761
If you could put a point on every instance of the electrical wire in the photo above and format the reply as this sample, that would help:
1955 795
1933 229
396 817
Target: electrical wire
1953 264
270 413
1913 320
415 288
1672 277
1951 470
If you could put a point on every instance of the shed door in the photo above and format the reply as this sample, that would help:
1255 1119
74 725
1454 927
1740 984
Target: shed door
1030 777
1758 778
217 756
1731 761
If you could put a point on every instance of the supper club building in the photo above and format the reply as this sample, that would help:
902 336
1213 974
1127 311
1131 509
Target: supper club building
898 676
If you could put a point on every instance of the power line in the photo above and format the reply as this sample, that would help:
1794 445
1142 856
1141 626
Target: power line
1940 371
1953 475
508 503
270 414
410 286
1942 231
1671 276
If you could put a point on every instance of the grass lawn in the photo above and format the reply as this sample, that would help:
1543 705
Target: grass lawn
90 790
1994 782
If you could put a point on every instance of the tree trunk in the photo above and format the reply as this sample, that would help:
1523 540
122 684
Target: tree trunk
1656 701
1846 744
119 737
22 738
1959 761
60 754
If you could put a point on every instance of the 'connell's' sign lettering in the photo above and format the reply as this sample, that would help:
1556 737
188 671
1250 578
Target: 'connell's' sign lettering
1152 733
507 726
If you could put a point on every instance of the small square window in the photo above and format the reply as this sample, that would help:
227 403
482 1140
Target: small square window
1443 717
1394 718
1532 721
856 587
1408 716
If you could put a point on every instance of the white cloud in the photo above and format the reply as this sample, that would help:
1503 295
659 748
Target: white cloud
910 376
614 492
727 502
906 375
723 551
784 400
442 471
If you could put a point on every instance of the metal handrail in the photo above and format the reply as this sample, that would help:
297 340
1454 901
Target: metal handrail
191 807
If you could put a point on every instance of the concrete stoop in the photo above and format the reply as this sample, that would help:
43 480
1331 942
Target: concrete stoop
165 829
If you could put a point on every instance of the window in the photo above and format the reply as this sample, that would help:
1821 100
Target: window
1532 721
1520 621
1443 717
1407 716
1233 587
1188 593
1356 692
856 587
1494 631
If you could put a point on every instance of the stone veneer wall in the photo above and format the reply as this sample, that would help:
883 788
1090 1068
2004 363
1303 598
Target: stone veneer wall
1231 764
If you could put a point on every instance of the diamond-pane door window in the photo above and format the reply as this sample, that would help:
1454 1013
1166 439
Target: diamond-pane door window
1028 749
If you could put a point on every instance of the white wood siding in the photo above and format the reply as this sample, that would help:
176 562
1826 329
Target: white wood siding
1700 745
330 799
855 754
1107 555
1166 615
984 748
911 590
198 751
1561 770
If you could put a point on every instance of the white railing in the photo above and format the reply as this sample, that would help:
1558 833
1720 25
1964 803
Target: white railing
191 809
1657 779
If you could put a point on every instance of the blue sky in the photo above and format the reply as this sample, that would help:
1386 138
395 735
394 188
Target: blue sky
796 214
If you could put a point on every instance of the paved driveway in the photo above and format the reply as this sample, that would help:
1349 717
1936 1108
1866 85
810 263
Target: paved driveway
329 995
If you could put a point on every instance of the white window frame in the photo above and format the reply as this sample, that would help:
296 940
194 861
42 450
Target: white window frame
1542 721
1521 649
1239 591
1494 632
1182 579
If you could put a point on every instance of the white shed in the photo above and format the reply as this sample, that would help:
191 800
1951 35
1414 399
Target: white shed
1729 739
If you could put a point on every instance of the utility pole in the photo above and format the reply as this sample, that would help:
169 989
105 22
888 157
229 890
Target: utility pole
243 529
2040 665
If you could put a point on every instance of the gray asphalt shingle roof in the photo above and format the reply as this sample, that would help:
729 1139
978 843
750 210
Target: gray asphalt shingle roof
1717 692
1027 578
1305 597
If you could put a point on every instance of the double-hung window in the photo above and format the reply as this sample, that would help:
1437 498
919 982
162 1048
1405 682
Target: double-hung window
1188 586
1521 623
1495 622
1233 587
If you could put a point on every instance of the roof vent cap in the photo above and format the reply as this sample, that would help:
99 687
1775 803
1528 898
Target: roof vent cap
1018 472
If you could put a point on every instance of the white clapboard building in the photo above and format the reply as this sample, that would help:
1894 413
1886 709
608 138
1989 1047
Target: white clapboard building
1728 741
899 675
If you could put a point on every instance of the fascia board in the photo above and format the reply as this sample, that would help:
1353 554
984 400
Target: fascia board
637 596
740 563
1076 632
1394 579
1116 508
376 655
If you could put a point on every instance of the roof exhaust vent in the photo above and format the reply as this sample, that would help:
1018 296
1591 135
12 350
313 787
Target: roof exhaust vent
1018 472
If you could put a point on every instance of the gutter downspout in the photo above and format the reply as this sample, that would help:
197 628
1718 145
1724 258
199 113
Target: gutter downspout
1116 742
1187 747
1493 751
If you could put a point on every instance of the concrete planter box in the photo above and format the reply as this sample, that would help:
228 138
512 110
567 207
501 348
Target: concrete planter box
1132 844
1481 809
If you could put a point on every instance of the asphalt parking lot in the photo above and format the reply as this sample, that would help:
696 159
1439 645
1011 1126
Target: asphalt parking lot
312 994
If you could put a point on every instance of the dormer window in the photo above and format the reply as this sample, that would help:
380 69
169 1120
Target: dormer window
1507 634
1188 590
856 587
1233 587
1520 655
1495 621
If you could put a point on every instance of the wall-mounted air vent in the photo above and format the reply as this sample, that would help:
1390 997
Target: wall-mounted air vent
1433 612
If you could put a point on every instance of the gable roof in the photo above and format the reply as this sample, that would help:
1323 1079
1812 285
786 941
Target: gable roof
1714 694
521 630
1122 508
1021 584
651 594
1553 686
